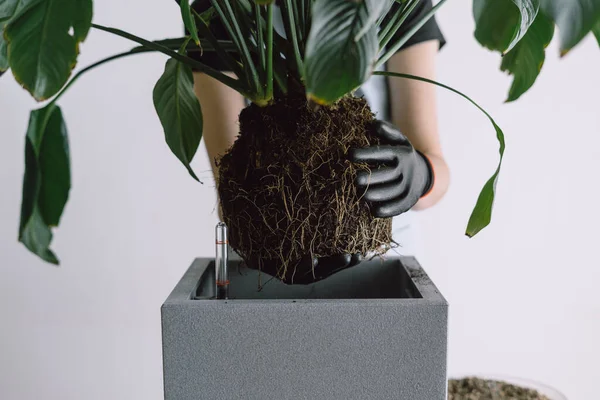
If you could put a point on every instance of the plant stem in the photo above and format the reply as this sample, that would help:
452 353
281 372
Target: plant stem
301 19
226 24
432 82
298 22
134 51
389 53
232 34
205 31
395 22
259 37
175 43
382 17
279 41
183 47
289 11
269 44
307 18
260 43
249 63
221 77
89 68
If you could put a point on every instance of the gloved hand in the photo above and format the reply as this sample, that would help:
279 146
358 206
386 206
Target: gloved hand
399 175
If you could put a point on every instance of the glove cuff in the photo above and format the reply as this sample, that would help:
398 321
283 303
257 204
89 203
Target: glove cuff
430 174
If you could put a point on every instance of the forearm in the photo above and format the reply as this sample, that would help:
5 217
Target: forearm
441 179
221 107
414 112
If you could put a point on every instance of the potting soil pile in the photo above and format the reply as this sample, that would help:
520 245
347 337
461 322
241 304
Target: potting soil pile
481 389
287 187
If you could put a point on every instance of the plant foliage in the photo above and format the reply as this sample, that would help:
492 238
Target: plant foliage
330 48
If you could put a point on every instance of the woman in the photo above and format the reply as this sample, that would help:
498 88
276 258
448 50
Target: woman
407 115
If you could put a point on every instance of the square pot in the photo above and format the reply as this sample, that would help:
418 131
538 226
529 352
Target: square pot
374 331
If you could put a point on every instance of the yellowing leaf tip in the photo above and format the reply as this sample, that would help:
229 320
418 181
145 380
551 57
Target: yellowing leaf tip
314 99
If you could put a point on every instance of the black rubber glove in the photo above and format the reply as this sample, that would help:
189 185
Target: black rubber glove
399 174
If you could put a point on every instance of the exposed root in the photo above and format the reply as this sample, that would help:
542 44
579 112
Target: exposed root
287 188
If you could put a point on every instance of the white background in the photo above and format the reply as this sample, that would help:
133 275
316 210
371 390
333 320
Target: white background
523 294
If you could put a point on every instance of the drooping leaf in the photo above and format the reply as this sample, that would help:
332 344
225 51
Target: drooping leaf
498 20
575 19
526 59
43 43
46 182
179 111
189 21
482 213
342 47
501 24
528 12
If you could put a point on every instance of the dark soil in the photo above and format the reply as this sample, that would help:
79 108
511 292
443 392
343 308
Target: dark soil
480 389
286 186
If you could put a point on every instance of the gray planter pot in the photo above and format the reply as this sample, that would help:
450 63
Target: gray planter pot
374 331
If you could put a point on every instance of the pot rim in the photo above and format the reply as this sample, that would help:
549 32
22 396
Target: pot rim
548 391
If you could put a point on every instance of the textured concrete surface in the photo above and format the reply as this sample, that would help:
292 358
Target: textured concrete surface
387 345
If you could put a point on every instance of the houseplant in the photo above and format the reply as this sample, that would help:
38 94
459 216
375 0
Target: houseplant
332 48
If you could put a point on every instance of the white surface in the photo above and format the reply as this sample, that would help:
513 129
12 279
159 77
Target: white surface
523 294
524 299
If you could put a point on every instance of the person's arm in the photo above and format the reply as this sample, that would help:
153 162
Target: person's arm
414 111
221 107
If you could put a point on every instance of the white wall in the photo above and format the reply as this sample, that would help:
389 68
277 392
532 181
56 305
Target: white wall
522 293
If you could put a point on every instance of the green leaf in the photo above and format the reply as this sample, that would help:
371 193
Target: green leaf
3 53
482 213
526 59
189 21
575 19
42 50
47 180
501 24
82 19
179 111
342 47
8 8
596 31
